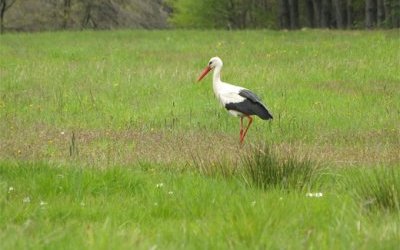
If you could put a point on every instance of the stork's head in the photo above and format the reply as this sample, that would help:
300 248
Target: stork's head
215 62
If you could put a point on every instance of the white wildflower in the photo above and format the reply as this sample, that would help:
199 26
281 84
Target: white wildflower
10 189
27 199
43 203
317 195
170 192
62 133
160 185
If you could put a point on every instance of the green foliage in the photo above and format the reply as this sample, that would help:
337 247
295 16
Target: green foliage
227 14
199 14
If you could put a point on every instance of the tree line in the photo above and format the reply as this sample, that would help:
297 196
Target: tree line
40 15
339 14
286 14
37 15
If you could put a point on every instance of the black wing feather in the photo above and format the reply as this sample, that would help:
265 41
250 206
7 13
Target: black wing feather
252 105
250 95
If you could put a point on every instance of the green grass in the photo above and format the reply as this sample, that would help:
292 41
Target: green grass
332 92
108 142
377 188
144 207
267 170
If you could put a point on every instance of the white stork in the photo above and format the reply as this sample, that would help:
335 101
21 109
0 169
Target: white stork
237 100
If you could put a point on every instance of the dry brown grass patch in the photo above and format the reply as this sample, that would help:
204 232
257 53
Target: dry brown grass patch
110 147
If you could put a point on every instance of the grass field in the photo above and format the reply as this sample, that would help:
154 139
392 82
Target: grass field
107 141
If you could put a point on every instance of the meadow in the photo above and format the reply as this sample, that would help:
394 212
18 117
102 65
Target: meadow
107 141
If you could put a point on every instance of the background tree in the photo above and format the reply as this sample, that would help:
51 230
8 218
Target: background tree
326 12
349 14
317 12
394 10
4 6
284 14
370 13
310 13
339 13
382 13
294 14
67 12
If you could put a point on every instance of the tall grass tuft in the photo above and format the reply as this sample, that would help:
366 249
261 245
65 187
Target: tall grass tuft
266 169
214 168
377 188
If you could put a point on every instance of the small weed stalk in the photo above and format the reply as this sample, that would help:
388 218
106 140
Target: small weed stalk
266 170
73 148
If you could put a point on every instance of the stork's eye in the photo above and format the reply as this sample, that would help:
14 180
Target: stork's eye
209 63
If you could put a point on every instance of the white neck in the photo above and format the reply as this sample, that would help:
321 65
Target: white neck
217 80
217 74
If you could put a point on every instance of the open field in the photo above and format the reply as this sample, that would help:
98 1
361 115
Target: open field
132 95
91 124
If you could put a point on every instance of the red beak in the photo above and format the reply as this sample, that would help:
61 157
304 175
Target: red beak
204 73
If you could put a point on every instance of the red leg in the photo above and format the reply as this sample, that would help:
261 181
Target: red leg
248 126
241 128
